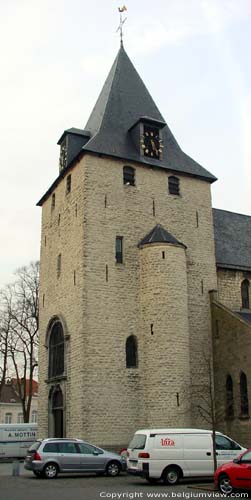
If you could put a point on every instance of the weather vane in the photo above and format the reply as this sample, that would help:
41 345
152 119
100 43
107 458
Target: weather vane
122 21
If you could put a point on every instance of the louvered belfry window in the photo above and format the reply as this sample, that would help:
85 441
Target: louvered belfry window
173 185
56 351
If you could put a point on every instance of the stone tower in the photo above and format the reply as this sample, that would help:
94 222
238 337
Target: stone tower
127 260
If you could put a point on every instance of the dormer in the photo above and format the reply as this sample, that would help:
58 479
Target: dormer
71 143
146 134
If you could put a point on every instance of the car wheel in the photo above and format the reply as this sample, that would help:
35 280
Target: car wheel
37 473
50 471
171 475
225 485
113 468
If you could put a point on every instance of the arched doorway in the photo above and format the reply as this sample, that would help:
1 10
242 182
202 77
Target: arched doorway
56 413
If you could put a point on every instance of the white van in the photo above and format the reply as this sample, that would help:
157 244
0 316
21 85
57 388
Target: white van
170 454
15 439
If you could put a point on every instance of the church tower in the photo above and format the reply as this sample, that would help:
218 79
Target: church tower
127 260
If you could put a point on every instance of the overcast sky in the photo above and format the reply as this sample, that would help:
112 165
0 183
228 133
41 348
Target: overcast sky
193 55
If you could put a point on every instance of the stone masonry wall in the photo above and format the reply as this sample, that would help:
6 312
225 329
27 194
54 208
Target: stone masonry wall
113 307
63 296
229 287
165 336
104 399
230 336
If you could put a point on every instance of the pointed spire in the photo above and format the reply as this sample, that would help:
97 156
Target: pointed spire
124 101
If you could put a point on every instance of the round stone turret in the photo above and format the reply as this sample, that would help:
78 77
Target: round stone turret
165 333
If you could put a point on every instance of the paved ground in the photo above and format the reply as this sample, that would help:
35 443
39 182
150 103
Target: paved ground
89 487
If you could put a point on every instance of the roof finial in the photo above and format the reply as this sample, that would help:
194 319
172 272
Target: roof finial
122 21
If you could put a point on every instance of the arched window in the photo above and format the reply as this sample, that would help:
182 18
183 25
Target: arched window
173 185
56 351
129 176
245 294
244 394
131 352
20 418
229 397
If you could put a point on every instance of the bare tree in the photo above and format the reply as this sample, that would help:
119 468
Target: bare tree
19 302
4 347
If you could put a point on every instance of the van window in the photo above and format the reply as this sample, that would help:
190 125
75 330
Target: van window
223 443
138 442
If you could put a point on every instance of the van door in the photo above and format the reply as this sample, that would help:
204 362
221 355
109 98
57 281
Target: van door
226 449
137 444
198 454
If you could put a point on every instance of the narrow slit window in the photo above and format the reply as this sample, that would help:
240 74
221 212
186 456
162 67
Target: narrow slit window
173 185
68 184
59 265
53 201
119 249
131 352
129 176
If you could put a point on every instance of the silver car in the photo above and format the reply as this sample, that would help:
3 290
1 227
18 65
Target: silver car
49 457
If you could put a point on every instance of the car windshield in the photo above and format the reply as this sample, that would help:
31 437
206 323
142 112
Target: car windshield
138 442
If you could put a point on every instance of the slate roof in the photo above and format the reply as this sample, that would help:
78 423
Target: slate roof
123 101
74 131
232 240
159 235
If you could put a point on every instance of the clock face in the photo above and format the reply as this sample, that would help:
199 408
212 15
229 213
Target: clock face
63 156
151 143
